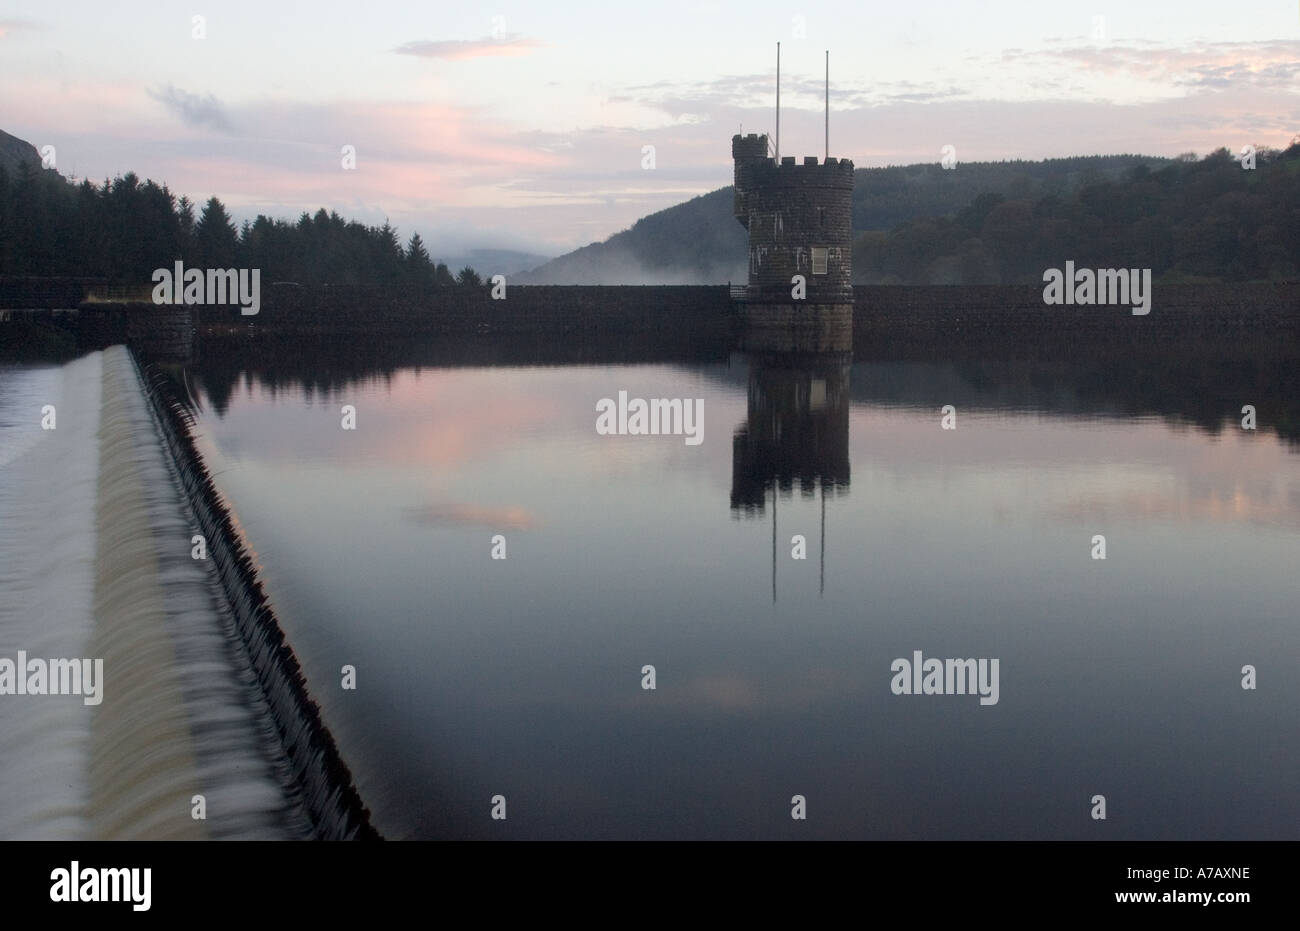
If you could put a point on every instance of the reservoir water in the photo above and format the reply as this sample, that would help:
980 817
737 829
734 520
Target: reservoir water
523 677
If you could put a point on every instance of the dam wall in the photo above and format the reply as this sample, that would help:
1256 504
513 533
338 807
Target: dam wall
327 791
948 322
902 322
97 566
580 312
19 292
933 321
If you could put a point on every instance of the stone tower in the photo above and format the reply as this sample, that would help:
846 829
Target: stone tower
799 219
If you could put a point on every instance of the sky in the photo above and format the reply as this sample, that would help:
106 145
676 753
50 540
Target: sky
525 125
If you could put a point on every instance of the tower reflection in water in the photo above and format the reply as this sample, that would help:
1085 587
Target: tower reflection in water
796 431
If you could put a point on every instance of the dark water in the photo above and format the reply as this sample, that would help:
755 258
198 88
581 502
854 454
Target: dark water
522 677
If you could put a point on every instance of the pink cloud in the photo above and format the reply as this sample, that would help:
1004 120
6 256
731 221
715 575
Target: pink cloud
10 26
461 49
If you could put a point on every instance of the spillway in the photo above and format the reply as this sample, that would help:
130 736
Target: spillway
202 728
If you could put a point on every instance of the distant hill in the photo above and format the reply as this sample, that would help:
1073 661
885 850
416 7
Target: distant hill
489 262
14 152
700 242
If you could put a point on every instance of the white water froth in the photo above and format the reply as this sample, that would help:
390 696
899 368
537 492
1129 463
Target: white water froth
47 584
182 713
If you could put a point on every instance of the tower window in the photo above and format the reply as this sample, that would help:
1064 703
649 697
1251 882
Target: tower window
821 216
819 260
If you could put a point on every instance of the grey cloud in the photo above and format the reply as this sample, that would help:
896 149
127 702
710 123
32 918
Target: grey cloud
1213 66
756 90
193 109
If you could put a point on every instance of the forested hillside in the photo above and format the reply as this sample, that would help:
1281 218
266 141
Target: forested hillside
698 242
123 229
1187 220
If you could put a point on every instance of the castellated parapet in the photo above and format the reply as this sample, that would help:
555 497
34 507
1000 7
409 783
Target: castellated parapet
800 222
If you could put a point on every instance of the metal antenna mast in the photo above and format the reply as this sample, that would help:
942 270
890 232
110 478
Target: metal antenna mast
778 103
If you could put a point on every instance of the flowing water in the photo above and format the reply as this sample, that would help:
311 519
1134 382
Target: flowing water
97 565
523 677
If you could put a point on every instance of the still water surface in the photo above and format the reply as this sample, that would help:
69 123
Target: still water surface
522 677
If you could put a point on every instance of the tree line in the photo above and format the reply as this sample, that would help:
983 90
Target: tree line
123 230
